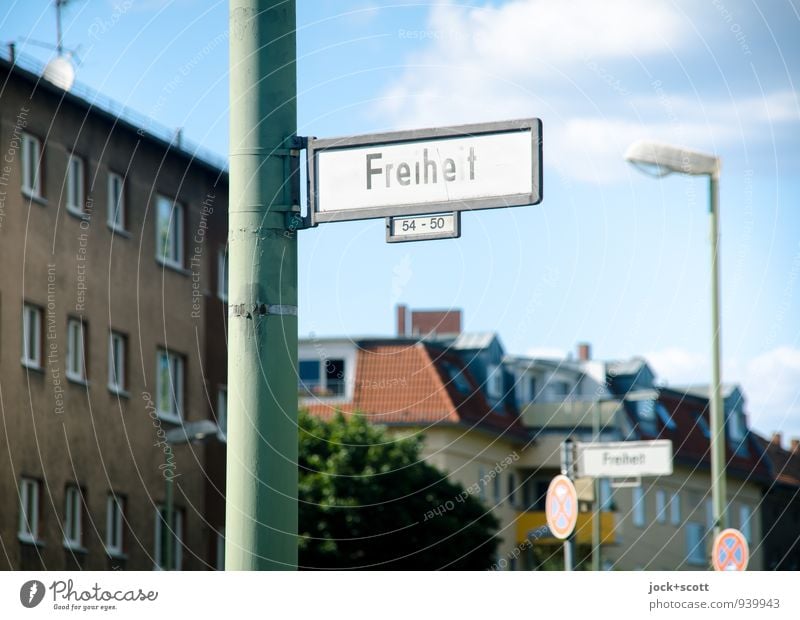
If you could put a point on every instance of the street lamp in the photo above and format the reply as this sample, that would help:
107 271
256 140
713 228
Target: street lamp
659 160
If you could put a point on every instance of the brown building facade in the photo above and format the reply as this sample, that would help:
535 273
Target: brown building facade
111 334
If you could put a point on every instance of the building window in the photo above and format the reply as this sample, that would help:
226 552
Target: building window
494 381
665 416
482 482
606 495
745 522
169 232
310 380
646 414
73 517
661 506
709 515
496 490
222 412
695 546
220 564
31 162
701 422
76 367
116 202
117 366
32 336
512 489
75 190
737 430
222 275
639 513
163 535
675 509
29 510
322 378
115 508
169 386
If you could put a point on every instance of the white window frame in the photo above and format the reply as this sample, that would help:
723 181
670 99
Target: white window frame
675 509
73 517
28 526
222 275
30 311
695 549
31 155
116 372
639 510
175 227
76 350
176 386
177 537
661 505
222 412
75 185
115 509
116 202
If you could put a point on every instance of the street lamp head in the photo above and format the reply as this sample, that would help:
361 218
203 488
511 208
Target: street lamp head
658 159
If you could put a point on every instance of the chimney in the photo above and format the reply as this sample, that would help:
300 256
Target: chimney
402 320
777 439
584 351
795 446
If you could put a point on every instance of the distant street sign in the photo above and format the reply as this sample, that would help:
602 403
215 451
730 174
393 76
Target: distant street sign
730 551
624 459
483 166
561 507
423 227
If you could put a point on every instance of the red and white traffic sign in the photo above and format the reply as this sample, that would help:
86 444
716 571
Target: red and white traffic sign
561 507
730 551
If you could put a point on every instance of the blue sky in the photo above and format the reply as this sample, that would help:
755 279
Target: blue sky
610 256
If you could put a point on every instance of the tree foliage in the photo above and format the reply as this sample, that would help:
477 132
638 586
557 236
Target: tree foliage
367 500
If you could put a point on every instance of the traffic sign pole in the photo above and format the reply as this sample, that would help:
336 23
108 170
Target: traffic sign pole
261 493
566 470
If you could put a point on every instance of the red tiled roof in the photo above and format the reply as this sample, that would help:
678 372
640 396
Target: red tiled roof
409 384
785 464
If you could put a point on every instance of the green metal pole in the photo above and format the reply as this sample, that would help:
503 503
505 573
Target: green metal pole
261 503
718 482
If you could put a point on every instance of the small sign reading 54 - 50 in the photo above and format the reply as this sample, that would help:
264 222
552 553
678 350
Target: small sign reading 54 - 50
423 227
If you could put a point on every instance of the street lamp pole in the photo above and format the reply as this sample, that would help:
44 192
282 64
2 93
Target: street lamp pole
659 160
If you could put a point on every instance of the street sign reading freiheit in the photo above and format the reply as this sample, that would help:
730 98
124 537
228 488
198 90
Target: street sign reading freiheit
622 459
469 167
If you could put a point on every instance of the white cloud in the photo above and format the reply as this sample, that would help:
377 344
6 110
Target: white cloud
772 385
526 57
546 353
770 382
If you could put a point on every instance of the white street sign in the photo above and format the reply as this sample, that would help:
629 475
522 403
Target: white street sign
624 459
426 171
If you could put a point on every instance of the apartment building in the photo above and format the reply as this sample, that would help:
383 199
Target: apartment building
111 301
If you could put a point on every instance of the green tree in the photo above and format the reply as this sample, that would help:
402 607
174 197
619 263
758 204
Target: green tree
367 500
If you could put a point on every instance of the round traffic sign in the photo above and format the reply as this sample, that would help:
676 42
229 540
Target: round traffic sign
561 506
730 551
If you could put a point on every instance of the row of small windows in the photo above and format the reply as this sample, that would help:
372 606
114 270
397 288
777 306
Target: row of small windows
170 214
170 366
30 525
670 508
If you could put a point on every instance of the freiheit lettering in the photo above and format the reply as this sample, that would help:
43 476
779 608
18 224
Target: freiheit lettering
426 170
